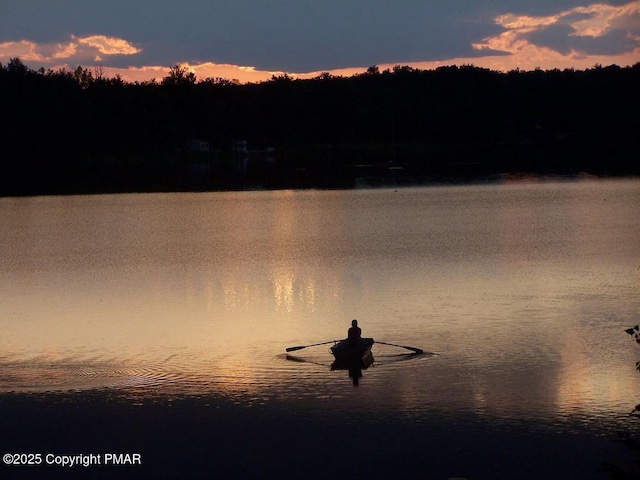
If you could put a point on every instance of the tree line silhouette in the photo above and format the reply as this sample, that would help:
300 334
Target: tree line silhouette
81 132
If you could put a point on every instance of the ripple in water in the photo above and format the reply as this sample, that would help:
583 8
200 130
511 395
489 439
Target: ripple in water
46 376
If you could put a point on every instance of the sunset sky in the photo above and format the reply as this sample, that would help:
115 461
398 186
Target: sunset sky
251 40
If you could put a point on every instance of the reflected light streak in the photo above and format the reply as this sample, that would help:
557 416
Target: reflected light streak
582 385
230 296
310 293
292 291
283 292
287 223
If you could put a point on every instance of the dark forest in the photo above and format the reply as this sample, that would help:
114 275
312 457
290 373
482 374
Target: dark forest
67 132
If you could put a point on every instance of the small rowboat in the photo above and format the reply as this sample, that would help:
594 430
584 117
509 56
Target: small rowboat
348 356
358 355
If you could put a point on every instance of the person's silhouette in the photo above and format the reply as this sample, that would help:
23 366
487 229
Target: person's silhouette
354 333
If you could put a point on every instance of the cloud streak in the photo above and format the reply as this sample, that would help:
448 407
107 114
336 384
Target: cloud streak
108 45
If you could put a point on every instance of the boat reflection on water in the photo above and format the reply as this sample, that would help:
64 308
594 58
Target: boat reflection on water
354 366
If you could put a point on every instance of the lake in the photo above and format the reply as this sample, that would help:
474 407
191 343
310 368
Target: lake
147 315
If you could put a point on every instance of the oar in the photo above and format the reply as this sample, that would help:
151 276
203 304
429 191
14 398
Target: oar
413 349
300 347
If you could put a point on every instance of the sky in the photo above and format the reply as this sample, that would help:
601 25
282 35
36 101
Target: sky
252 40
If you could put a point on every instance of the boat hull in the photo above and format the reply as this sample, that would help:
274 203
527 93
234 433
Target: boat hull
347 355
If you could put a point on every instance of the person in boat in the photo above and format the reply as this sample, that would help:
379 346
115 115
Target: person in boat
354 334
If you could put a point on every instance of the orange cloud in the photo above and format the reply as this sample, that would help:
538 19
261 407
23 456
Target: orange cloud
593 20
23 49
202 71
244 74
587 21
604 18
78 48
523 22
32 52
108 45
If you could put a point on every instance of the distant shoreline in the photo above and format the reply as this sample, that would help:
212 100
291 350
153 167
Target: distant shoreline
71 133
365 182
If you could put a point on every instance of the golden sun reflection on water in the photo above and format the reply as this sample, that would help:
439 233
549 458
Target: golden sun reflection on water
588 381
283 291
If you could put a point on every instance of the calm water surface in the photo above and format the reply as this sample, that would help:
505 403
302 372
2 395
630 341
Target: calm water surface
522 291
